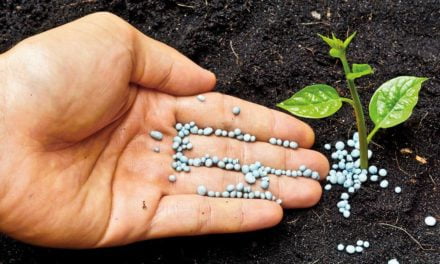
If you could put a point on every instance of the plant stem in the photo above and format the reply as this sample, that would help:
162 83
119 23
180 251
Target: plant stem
347 100
372 133
359 113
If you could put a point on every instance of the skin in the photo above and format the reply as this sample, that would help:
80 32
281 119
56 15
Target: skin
77 166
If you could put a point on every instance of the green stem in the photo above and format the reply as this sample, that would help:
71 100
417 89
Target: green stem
347 100
359 113
372 133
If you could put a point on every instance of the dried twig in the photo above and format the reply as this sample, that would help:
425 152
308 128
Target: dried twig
187 6
398 166
293 221
233 51
421 119
435 184
81 2
406 232
320 220
314 23
376 144
316 261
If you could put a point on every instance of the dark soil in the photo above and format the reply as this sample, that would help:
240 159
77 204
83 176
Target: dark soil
277 53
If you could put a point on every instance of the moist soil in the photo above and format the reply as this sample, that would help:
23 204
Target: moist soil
263 51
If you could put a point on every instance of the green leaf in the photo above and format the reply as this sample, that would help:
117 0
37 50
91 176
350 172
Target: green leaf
336 43
393 101
348 40
314 101
359 70
333 42
329 41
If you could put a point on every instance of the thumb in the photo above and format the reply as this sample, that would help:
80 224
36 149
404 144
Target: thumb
160 67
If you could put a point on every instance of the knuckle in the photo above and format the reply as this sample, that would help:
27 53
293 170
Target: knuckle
204 217
105 15
226 121
240 219
278 187
167 76
224 102
244 153
109 22
272 122
287 158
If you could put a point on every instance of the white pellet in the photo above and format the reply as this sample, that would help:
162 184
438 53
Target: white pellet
430 221
350 249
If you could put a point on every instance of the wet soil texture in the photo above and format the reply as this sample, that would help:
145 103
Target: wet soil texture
263 51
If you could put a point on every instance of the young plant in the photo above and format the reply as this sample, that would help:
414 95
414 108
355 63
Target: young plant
392 103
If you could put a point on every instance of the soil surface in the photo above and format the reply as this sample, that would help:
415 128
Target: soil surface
263 51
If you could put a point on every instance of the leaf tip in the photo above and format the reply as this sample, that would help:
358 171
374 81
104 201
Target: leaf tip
348 40
281 105
327 40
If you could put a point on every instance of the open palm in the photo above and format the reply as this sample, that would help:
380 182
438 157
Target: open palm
77 164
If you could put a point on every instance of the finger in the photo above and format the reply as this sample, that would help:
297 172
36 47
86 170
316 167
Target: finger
158 66
255 119
296 192
155 65
269 155
183 215
155 168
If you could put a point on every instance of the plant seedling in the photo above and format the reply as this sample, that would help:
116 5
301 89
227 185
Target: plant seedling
391 104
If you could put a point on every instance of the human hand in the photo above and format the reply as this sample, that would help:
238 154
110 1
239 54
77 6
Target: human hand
77 168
